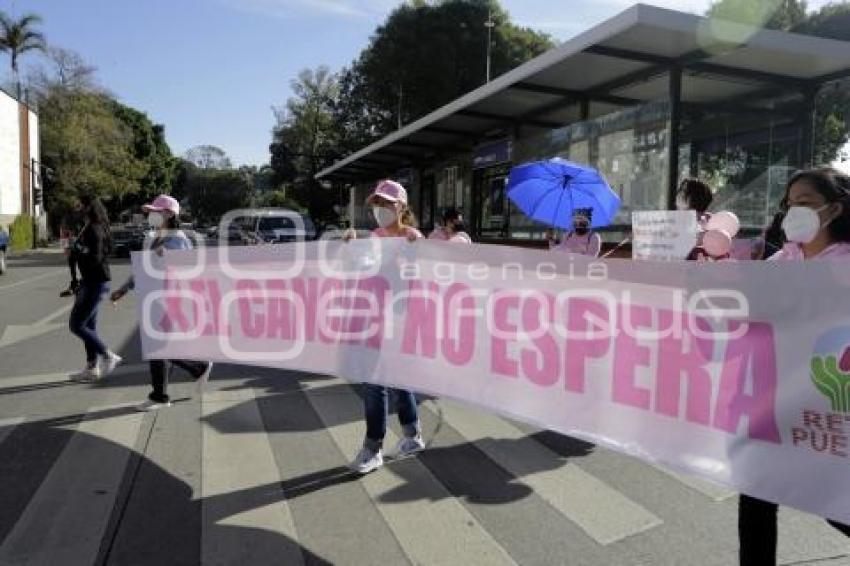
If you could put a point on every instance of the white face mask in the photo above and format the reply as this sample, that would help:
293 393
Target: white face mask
384 216
802 224
156 220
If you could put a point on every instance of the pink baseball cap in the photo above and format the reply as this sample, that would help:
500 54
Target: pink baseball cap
389 190
163 203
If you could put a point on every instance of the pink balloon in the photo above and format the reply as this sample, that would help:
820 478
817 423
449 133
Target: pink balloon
725 221
716 243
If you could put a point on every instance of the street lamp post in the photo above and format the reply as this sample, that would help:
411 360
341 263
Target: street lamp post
489 24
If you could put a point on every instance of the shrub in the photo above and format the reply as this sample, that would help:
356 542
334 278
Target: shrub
21 233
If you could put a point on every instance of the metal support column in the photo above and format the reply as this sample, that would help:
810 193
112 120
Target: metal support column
674 137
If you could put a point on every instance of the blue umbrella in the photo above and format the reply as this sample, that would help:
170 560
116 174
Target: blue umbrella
550 191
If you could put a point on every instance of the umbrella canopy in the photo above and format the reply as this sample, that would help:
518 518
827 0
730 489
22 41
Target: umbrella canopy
551 191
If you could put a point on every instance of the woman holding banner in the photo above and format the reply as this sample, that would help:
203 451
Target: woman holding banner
816 226
395 220
163 216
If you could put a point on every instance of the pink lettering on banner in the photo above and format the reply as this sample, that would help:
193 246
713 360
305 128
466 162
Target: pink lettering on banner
752 356
308 291
500 362
587 339
215 326
458 343
174 318
684 359
280 320
253 320
540 365
420 324
332 325
628 356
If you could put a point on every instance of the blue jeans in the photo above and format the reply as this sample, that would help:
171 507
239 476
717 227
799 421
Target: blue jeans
83 320
376 402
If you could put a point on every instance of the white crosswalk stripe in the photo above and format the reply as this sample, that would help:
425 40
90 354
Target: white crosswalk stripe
605 514
443 532
59 378
233 462
68 515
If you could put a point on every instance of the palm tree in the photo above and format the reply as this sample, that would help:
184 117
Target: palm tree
18 37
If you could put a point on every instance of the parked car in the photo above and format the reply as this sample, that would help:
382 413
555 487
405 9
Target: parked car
276 225
4 245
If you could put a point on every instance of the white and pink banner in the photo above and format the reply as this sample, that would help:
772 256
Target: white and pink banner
736 372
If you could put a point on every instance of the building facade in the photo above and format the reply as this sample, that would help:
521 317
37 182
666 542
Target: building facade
20 162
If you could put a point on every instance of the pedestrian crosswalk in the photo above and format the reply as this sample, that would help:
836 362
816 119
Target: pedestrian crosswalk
254 473
69 513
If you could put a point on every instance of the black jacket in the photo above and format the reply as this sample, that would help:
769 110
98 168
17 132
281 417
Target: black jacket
91 250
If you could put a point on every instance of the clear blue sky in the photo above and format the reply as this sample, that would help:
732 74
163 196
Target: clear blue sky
211 70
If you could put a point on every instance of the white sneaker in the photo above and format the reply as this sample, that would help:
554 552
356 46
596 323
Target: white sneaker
87 374
110 362
149 406
410 445
367 461
204 377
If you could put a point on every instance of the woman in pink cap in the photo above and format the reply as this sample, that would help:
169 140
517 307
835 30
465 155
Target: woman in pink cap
395 220
817 227
164 217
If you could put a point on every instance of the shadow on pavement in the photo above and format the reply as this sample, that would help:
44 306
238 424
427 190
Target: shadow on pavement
156 518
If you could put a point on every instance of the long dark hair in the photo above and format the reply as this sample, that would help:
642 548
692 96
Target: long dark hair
834 186
96 215
94 210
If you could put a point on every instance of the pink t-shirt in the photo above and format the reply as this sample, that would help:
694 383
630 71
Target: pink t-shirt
408 231
588 245
793 252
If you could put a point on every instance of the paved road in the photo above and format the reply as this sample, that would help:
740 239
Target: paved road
252 471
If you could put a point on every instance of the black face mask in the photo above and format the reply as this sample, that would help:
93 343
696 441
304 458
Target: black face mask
581 230
458 226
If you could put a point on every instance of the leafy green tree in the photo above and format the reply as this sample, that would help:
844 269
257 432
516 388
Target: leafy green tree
306 140
212 192
424 56
832 116
150 148
771 14
87 149
18 37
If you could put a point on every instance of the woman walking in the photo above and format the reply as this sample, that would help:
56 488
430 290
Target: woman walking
90 252
164 217
395 220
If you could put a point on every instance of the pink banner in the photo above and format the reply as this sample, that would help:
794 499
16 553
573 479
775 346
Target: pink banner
736 372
